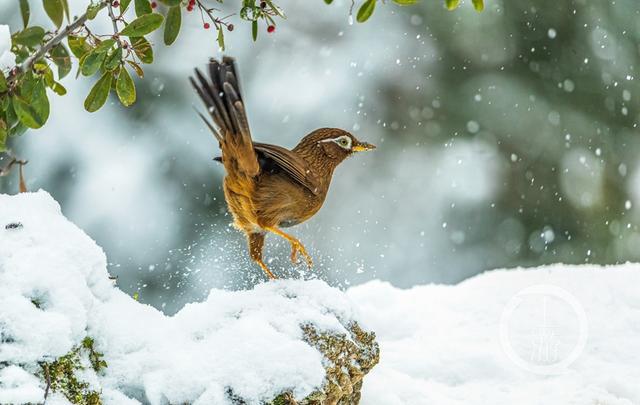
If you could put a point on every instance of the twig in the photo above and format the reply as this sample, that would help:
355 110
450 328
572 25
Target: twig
217 22
4 171
48 379
26 65
22 185
113 19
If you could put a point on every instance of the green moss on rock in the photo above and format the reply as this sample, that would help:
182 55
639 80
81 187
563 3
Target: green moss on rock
60 375
348 358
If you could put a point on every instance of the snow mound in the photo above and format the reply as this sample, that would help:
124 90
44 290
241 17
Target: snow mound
7 58
552 335
55 291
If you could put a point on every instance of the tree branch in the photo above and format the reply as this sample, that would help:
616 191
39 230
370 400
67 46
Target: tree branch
6 169
28 63
113 19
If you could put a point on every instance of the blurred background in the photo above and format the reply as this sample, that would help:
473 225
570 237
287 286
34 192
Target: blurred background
505 138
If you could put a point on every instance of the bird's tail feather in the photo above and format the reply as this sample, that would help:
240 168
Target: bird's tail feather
221 95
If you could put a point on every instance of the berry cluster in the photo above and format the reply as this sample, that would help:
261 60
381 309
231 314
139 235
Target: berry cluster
192 4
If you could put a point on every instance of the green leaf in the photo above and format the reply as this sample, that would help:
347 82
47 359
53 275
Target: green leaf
30 37
172 25
18 129
99 93
221 39
28 85
25 12
11 117
93 10
48 75
142 7
91 63
328 1
65 6
78 46
143 49
58 88
35 113
125 88
478 5
105 45
170 3
366 10
143 25
113 59
3 82
3 135
55 11
136 68
452 4
124 5
405 2
60 56
254 30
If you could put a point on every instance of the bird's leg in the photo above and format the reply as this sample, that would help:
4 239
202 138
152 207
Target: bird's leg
256 242
266 269
296 246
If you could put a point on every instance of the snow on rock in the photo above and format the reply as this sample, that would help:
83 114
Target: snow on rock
553 335
55 291
7 58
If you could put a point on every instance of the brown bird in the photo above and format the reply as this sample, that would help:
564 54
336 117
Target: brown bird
268 187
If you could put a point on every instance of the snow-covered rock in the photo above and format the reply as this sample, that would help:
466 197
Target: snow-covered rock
7 58
553 335
250 345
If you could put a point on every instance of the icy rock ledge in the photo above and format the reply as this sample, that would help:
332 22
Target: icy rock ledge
62 320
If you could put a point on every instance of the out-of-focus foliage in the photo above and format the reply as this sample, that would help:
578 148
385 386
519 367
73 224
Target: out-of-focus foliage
109 56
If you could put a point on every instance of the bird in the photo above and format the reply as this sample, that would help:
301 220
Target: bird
268 187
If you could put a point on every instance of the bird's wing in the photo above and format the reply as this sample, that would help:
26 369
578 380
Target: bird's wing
291 163
221 95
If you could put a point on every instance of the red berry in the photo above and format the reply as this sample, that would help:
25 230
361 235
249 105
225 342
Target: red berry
263 4
154 4
115 4
271 28
207 26
189 8
230 27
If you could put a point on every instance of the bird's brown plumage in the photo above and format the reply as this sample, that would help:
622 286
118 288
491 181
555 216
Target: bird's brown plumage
267 186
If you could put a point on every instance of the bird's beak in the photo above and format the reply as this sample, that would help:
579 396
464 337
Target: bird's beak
362 147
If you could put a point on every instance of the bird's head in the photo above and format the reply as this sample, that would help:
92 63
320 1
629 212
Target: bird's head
337 144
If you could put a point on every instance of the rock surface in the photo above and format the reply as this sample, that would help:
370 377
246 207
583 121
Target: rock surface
66 331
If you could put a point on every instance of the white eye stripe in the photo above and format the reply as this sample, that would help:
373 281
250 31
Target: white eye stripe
343 141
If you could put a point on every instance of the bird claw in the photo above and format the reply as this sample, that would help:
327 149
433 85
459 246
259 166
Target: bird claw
294 256
297 247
